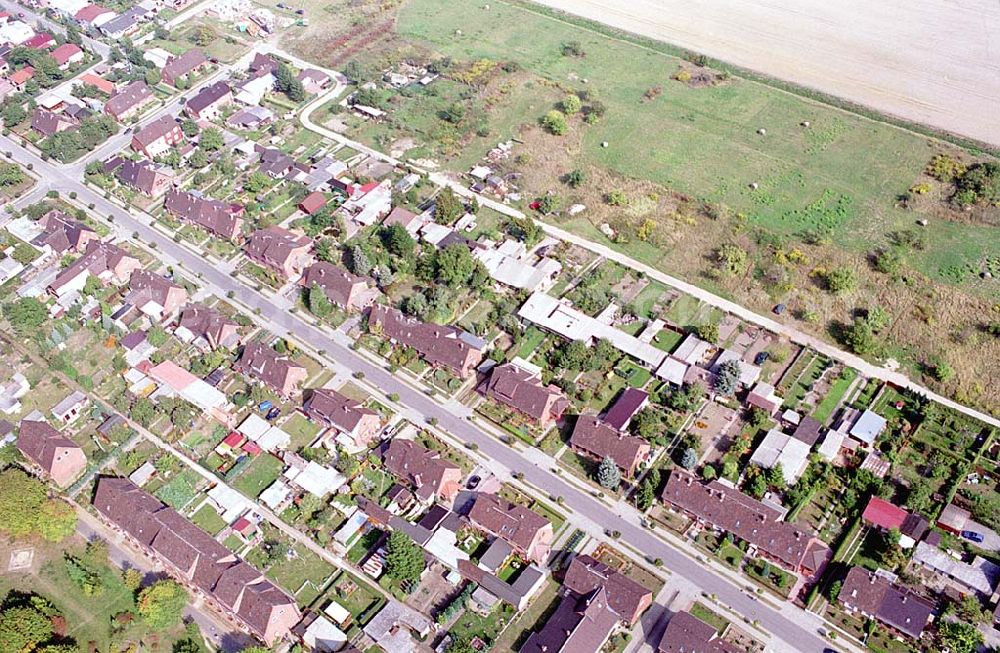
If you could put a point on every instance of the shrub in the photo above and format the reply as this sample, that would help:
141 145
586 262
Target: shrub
683 75
555 122
571 104
840 280
945 168
616 198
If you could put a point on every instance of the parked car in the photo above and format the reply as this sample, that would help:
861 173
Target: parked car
779 309
265 406
473 482
973 536
760 358
272 414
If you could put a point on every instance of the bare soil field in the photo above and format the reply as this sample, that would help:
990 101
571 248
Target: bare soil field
926 61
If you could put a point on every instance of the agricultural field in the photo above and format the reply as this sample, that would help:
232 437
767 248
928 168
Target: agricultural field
706 160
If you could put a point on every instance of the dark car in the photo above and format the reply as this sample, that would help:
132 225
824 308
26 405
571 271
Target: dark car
779 309
973 536
473 482
760 358
272 414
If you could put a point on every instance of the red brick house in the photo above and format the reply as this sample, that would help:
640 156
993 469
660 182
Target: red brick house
332 409
280 250
207 327
156 138
441 346
523 391
595 439
527 532
345 289
155 295
278 372
422 469
61 233
58 456
217 218
181 67
129 101
108 262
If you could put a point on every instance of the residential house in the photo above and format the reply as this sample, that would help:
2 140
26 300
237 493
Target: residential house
280 250
40 41
251 118
66 55
886 516
441 346
868 426
207 327
405 218
527 532
62 234
523 391
581 624
183 66
314 81
510 264
276 371
778 448
15 32
124 24
808 430
93 15
978 575
426 471
19 78
345 289
128 101
874 597
517 593
58 456
146 177
629 402
312 203
368 203
48 123
253 91
217 218
197 559
174 380
155 295
596 439
273 162
626 597
686 633
210 101
98 82
349 416
759 525
156 138
764 397
106 261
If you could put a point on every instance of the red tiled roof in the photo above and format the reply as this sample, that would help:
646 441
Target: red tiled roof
883 514
313 202
64 52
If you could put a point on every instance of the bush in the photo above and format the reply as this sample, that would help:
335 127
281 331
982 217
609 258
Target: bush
840 280
555 122
616 198
944 168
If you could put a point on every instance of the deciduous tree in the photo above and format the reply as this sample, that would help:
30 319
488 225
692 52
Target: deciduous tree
162 604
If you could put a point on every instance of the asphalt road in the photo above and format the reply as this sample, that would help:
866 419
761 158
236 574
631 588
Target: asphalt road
797 630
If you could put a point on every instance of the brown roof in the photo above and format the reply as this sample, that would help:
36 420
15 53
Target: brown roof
335 409
198 557
141 175
61 232
625 596
313 202
145 286
336 282
628 403
421 468
748 519
218 218
130 97
262 64
511 522
268 366
205 322
808 431
581 624
439 345
399 215
179 66
523 391
48 123
156 130
208 96
600 440
100 257
876 596
41 443
686 633
273 246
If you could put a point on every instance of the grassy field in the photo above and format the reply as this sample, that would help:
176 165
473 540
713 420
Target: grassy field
262 471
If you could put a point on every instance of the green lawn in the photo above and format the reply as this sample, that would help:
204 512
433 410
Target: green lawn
303 575
834 396
208 520
301 429
709 616
259 474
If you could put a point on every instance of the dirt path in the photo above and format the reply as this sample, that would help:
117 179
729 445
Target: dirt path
935 62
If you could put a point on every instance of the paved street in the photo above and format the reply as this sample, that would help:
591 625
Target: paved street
796 629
